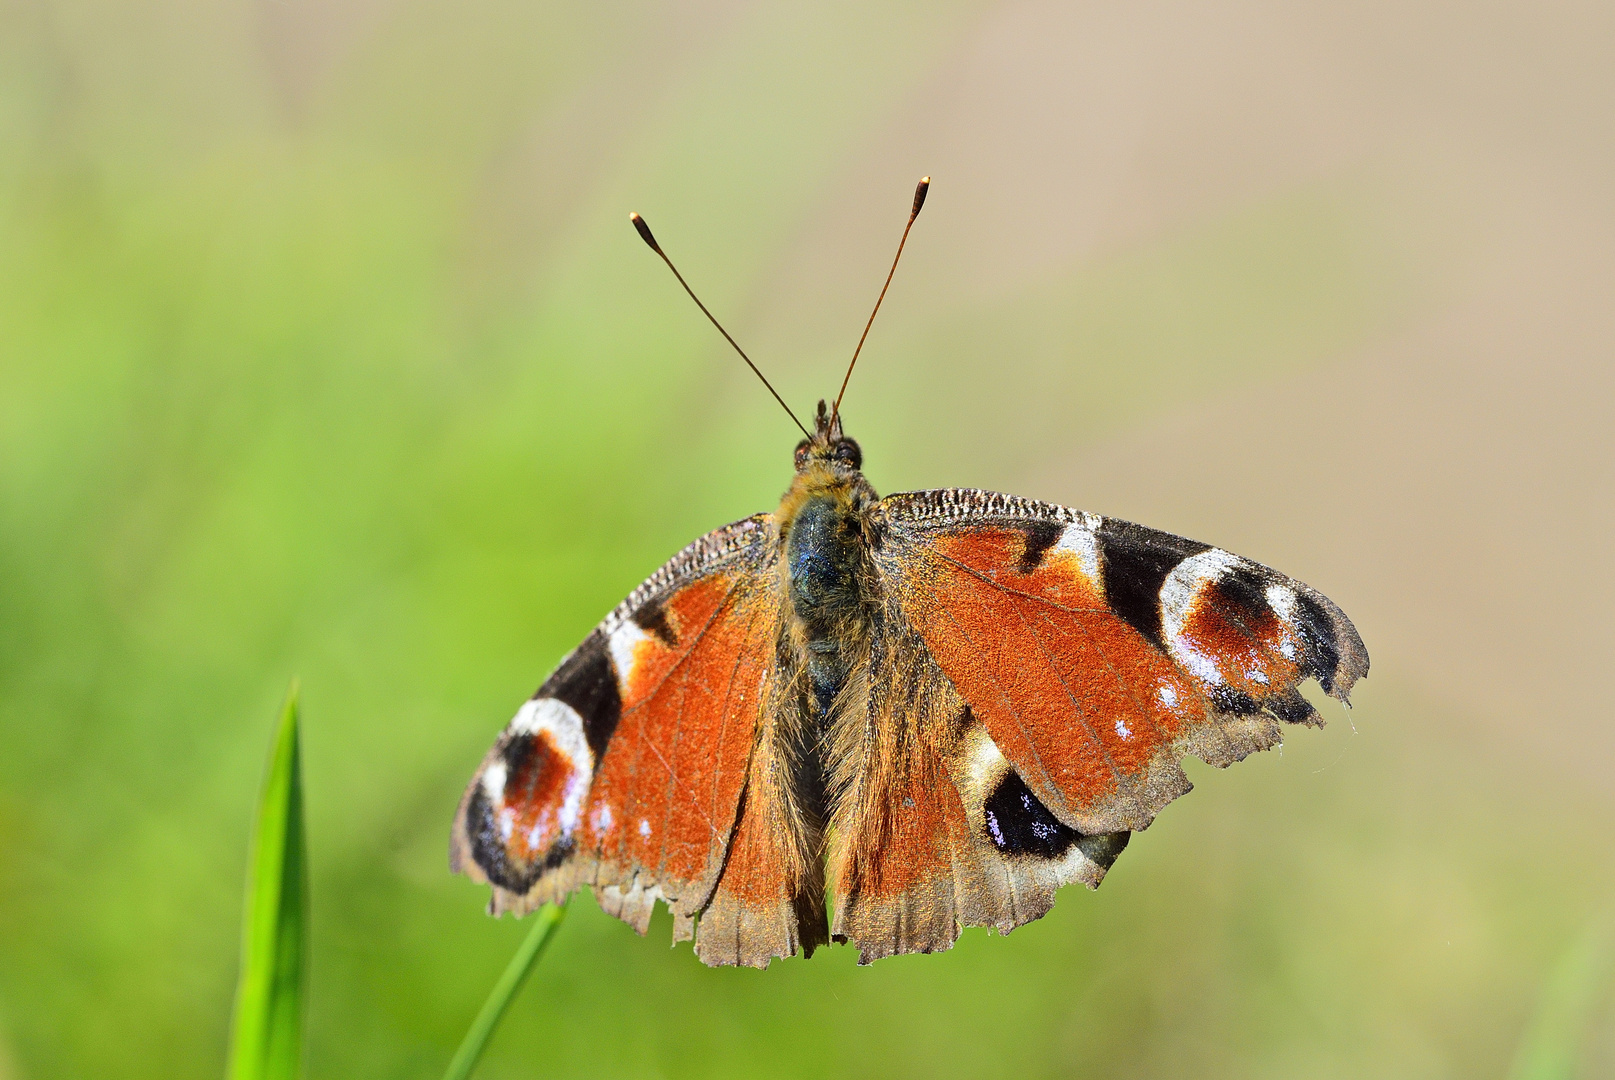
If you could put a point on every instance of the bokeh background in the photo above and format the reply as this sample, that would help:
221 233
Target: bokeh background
326 351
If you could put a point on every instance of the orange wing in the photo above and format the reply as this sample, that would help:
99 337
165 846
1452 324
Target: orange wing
1098 652
625 770
1056 667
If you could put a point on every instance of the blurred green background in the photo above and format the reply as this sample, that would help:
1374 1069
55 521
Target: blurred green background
326 350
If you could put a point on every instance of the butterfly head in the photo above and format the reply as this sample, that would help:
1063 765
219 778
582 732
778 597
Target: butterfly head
827 447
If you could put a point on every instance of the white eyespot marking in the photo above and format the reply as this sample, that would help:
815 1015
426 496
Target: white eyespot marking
622 643
1080 539
493 781
493 786
1282 599
1168 695
558 724
1122 729
1178 594
644 828
602 819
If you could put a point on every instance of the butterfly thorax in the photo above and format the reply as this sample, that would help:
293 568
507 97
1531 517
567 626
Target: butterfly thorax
823 525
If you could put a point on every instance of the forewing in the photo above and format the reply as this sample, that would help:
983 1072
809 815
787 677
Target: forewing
625 770
1098 653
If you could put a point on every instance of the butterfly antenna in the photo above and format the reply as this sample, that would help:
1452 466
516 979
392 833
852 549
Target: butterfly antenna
919 201
645 235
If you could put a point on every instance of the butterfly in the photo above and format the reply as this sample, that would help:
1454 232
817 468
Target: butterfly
919 713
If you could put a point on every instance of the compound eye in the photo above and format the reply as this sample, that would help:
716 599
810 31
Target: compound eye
801 453
848 451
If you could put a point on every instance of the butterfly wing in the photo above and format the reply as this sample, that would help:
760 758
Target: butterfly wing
1056 667
625 771
918 852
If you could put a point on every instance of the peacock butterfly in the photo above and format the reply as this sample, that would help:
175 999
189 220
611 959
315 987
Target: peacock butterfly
929 710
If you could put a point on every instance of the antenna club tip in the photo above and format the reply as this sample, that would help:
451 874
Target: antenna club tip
644 231
919 196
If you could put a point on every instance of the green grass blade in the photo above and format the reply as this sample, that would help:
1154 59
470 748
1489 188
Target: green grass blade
1552 1047
268 1032
504 991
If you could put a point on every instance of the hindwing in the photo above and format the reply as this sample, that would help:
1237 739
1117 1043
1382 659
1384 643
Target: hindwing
934 830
